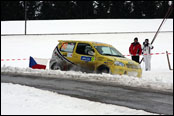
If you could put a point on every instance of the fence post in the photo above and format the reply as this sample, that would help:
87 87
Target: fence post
168 60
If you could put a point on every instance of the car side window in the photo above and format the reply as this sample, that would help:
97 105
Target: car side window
67 47
83 48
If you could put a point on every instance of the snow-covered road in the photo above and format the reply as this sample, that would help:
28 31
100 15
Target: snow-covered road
137 98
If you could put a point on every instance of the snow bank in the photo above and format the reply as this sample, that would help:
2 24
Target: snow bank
160 81
23 100
85 26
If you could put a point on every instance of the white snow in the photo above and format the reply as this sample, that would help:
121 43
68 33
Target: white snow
160 81
41 46
23 100
85 26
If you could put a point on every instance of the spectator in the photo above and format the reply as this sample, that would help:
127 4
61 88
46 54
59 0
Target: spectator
135 50
146 54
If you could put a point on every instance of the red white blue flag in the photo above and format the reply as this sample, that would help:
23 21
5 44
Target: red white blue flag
37 63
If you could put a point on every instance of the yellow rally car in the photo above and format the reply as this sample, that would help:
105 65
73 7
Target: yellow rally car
90 56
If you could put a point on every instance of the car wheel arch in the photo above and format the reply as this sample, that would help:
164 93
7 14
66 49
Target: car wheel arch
101 67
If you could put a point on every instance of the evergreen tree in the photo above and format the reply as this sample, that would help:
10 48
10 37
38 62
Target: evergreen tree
85 9
103 9
12 10
43 10
33 9
48 10
117 9
137 9
149 9
163 9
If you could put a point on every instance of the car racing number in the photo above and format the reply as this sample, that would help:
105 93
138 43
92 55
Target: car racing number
67 47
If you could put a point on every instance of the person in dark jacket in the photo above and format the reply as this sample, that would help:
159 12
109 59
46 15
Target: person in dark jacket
135 50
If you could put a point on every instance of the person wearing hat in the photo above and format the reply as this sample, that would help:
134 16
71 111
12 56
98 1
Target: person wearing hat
146 54
135 50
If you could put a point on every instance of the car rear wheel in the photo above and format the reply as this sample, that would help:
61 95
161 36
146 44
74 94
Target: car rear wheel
55 66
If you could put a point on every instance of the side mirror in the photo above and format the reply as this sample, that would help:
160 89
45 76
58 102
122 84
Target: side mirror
91 53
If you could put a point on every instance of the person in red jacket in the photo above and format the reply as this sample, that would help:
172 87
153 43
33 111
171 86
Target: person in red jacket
135 50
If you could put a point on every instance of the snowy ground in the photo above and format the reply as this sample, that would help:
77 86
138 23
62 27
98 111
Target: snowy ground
41 46
84 26
160 81
23 100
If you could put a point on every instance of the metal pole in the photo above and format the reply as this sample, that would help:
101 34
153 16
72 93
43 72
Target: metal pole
25 17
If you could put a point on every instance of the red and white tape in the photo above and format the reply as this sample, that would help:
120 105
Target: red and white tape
150 54
14 59
124 55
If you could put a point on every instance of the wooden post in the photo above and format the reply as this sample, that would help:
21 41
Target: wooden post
168 60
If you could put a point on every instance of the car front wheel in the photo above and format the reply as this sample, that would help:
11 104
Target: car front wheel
103 70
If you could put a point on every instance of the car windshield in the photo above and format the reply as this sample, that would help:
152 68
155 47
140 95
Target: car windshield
109 51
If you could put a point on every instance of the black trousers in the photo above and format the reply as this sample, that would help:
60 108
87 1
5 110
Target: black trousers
136 58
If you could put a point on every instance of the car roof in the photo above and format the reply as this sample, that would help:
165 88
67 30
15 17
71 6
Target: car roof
93 42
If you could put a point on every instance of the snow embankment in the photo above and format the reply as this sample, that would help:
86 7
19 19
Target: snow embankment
23 100
160 81
85 26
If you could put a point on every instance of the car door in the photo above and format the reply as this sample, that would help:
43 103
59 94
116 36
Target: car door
83 58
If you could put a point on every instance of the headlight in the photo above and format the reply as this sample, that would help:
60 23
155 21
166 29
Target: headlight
117 63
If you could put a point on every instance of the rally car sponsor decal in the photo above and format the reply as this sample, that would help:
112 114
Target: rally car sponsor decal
86 58
93 59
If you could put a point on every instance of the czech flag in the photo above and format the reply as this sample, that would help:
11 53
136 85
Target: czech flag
37 63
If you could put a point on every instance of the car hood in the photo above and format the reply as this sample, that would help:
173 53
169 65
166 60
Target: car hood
121 59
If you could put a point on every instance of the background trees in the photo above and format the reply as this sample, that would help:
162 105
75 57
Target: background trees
43 10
